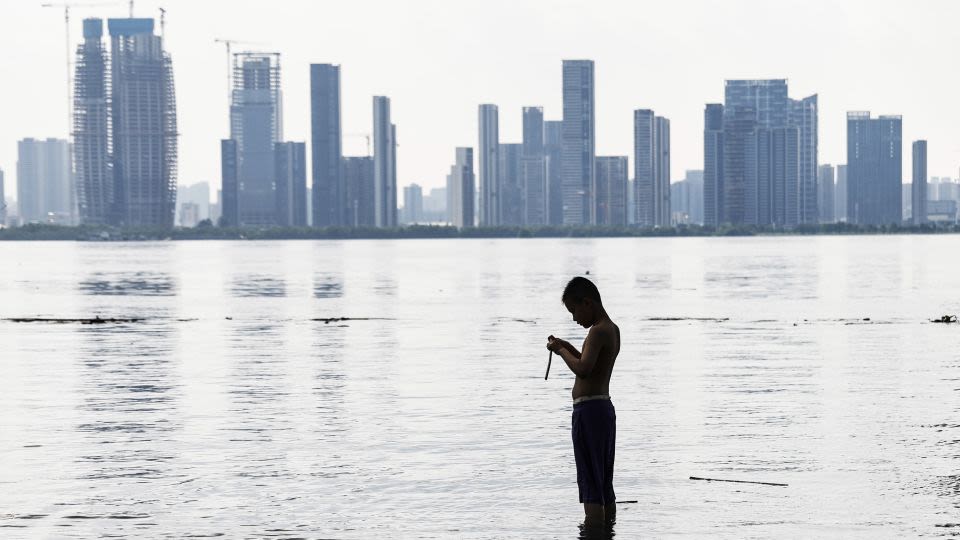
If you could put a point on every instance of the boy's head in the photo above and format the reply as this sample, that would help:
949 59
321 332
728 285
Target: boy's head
582 300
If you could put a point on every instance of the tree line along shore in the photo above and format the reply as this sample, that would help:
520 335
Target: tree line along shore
211 232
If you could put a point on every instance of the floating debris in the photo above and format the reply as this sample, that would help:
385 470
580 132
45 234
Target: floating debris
343 319
737 481
946 319
703 319
95 320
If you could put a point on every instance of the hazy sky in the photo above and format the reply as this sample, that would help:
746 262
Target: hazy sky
438 60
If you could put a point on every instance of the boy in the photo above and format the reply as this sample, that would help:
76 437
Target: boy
594 426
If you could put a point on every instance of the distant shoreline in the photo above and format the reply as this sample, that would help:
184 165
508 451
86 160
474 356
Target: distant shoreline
85 233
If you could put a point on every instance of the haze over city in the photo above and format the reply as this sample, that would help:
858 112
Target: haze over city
438 60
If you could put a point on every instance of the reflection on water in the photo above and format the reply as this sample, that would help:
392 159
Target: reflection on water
128 284
251 286
426 413
327 286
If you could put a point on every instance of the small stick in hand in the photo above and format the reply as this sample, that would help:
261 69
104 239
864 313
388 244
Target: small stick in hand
549 361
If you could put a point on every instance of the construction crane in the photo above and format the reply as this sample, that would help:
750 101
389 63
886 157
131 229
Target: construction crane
163 24
66 20
228 43
365 136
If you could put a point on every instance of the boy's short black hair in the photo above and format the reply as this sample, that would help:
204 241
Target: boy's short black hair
579 288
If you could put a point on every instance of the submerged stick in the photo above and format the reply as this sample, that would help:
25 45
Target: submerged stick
737 481
549 361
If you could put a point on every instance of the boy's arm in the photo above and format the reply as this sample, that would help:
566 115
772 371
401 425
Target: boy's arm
582 364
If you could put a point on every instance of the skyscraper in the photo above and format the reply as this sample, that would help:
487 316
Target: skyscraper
578 143
413 203
489 164
384 164
91 128
804 115
686 198
553 151
359 183
461 189
229 181
874 162
44 181
919 187
651 169
644 156
760 156
329 192
290 173
826 191
611 194
533 169
143 119
714 202
840 195
661 191
3 201
511 194
256 126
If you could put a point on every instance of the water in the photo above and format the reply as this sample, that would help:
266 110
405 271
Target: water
229 411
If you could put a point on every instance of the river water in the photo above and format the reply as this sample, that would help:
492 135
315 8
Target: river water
230 410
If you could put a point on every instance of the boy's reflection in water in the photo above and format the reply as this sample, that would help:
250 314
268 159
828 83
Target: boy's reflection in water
592 529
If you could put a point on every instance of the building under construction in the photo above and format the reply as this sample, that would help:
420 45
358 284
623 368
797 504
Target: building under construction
125 126
256 125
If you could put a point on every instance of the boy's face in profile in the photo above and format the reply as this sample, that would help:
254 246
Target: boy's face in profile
583 312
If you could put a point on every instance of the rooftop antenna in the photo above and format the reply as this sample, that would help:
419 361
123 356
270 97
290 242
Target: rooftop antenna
131 9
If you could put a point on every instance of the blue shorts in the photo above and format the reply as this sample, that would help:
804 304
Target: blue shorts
594 437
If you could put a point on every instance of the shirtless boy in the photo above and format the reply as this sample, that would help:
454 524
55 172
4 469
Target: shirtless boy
594 419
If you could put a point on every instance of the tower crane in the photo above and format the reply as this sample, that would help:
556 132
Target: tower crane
228 44
66 20
365 136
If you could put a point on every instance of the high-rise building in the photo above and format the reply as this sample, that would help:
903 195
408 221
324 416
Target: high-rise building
329 192
611 194
413 203
553 152
290 172
840 195
435 206
91 128
361 197
919 185
461 189
384 164
760 156
3 201
229 181
874 161
256 125
533 169
826 192
804 116
143 125
578 168
491 206
195 194
714 202
511 194
686 199
44 181
651 168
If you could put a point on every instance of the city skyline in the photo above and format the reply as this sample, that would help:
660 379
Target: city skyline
846 74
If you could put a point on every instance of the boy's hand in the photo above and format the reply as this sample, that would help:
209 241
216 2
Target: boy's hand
554 344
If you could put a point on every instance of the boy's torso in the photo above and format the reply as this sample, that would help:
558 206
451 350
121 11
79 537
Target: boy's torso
598 382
